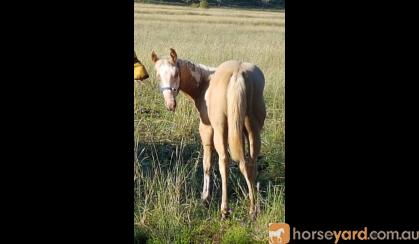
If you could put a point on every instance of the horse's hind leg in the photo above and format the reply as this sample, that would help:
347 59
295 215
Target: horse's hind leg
248 167
220 143
206 133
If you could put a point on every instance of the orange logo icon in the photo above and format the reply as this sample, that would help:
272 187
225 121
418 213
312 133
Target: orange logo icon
279 233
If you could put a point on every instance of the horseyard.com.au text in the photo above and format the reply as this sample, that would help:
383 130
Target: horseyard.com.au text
363 234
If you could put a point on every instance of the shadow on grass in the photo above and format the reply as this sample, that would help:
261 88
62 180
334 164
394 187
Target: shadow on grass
139 236
168 156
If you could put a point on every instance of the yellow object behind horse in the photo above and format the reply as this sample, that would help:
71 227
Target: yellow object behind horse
140 72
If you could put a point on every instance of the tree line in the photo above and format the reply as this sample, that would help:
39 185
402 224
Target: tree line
278 4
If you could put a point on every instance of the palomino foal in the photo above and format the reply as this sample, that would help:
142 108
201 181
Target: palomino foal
230 103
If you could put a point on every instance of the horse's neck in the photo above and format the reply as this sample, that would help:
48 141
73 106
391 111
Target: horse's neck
194 77
205 72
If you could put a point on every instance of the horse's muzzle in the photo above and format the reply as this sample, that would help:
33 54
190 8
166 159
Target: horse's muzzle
144 77
141 78
171 106
169 100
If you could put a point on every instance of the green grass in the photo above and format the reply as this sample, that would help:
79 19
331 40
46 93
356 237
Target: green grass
168 163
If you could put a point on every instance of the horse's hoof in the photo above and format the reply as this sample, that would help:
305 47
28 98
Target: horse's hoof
205 202
253 213
253 216
226 214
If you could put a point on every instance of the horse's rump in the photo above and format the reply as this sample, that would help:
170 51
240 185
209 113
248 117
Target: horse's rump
236 91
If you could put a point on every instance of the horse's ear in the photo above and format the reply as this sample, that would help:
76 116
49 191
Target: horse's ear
154 57
173 55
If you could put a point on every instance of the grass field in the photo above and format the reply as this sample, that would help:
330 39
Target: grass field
168 154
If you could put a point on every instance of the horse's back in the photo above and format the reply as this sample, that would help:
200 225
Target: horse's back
225 70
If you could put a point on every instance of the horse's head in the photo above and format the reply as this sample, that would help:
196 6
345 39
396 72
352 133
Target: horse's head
168 77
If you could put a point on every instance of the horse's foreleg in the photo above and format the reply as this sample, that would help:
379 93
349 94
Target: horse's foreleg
206 133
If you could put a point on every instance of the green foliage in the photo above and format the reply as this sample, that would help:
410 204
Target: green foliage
237 234
139 236
203 4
